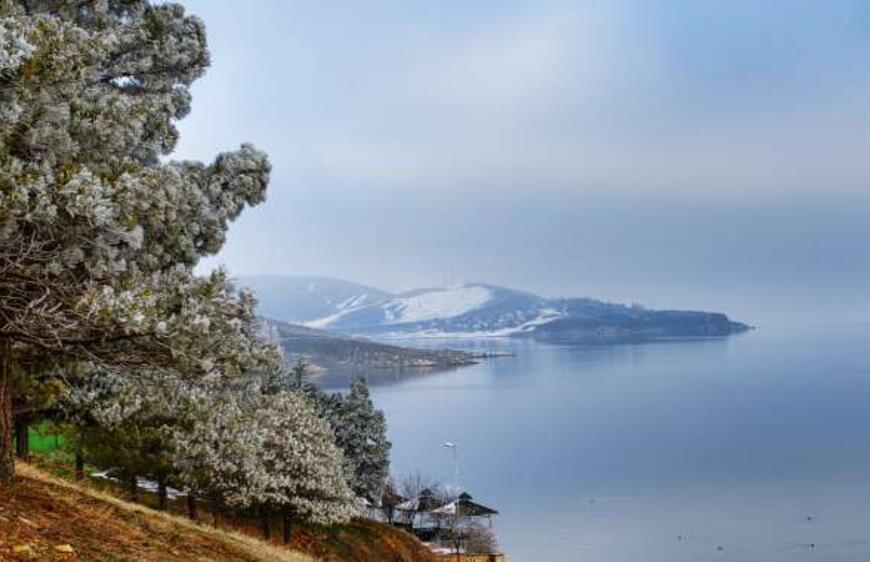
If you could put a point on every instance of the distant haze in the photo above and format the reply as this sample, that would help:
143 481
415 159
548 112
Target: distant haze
706 155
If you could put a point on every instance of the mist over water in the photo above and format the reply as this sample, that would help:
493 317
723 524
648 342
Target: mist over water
758 443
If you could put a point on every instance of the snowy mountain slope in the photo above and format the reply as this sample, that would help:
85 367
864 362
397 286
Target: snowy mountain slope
436 303
466 309
482 310
306 299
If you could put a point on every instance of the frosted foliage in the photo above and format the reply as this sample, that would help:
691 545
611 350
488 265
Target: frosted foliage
116 402
361 433
14 47
99 232
128 422
271 451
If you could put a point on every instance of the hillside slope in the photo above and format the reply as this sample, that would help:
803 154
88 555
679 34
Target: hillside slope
40 516
43 517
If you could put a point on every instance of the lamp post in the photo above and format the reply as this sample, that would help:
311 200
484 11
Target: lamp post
455 531
455 448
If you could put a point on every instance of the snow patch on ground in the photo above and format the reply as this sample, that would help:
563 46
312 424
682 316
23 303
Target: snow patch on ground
344 307
437 304
353 302
141 483
324 322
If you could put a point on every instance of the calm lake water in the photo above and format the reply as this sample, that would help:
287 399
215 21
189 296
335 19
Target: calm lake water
758 444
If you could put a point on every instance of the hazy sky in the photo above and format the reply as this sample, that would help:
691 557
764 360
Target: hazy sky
711 155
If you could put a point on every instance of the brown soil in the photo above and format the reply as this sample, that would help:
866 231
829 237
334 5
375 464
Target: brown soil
41 516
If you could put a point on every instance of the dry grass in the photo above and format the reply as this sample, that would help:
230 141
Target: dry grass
40 512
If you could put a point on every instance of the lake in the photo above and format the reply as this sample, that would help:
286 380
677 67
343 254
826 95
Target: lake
752 447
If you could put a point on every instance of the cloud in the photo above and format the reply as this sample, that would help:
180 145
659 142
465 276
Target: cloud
501 101
585 98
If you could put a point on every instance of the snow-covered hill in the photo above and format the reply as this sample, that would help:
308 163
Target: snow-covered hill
460 310
471 310
435 304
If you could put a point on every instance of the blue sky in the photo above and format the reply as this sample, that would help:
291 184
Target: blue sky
676 153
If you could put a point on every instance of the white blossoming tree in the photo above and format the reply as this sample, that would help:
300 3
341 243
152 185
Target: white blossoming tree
98 233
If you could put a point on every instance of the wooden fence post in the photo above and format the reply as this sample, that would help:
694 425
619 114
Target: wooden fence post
80 466
191 506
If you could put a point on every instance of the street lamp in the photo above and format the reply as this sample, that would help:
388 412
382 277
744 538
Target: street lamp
455 448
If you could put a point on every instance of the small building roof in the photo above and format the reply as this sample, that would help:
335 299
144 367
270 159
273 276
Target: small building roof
465 506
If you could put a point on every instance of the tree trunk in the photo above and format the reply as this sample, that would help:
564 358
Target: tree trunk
7 458
215 511
161 492
80 466
191 506
287 527
264 519
22 438
133 483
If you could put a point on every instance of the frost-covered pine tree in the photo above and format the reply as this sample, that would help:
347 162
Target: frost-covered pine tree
218 458
99 233
304 466
128 423
361 433
269 451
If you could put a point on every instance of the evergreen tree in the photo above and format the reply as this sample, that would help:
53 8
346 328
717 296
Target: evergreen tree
129 423
99 233
269 452
361 433
35 390
303 463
